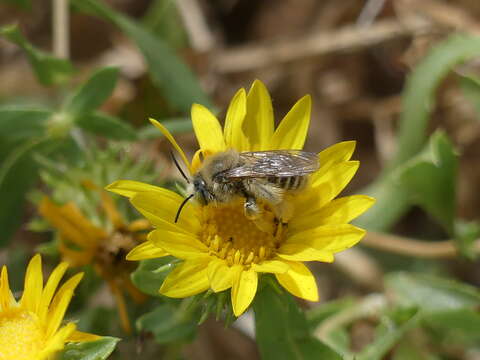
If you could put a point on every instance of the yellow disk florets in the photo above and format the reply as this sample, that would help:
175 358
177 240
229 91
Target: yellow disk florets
235 238
21 335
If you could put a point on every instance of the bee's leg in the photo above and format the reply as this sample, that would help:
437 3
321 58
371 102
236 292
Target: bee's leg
252 210
284 212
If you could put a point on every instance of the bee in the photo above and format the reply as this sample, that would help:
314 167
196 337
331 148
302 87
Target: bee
265 176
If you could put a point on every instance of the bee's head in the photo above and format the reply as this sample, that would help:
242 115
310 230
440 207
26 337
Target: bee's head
201 191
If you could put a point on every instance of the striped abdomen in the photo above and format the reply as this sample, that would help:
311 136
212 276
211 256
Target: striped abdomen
289 182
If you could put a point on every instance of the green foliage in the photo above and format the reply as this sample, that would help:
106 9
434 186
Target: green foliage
282 330
455 326
107 126
470 86
18 173
93 93
48 69
92 350
168 324
389 332
151 273
169 73
430 293
418 101
20 124
429 179
466 233
27 134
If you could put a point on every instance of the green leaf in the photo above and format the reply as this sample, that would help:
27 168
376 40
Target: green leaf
93 93
418 102
470 86
48 69
108 126
169 73
430 293
168 324
18 123
92 350
466 234
408 350
151 273
430 179
458 326
390 331
282 330
419 95
18 173
175 126
316 315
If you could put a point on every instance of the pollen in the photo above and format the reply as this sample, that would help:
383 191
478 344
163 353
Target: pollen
231 236
21 335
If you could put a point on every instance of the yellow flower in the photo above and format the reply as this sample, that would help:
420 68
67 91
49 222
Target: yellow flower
220 247
31 328
82 243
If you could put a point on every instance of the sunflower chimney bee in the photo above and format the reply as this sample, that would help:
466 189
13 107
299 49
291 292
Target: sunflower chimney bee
265 176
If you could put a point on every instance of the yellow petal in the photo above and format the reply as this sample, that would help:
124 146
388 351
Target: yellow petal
110 209
170 138
271 266
338 211
179 245
299 281
258 124
121 306
79 336
345 209
6 297
324 189
187 279
71 223
233 131
219 275
331 238
32 292
292 131
337 176
304 252
146 250
139 225
160 208
207 129
60 303
243 291
57 341
336 153
50 288
130 188
75 257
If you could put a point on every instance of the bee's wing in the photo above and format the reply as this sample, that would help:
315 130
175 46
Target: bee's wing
277 163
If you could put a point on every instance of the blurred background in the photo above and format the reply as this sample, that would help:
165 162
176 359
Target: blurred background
359 60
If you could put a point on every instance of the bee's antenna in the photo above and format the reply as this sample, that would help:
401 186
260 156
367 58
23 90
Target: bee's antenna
179 168
181 206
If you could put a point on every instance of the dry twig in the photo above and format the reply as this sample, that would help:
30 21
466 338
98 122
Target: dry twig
349 38
410 247
61 29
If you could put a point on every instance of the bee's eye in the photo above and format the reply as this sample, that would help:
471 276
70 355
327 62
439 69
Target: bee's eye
197 183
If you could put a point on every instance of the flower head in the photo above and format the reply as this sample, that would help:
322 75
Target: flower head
82 242
30 329
223 249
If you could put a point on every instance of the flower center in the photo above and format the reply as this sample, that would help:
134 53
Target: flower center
233 237
21 335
